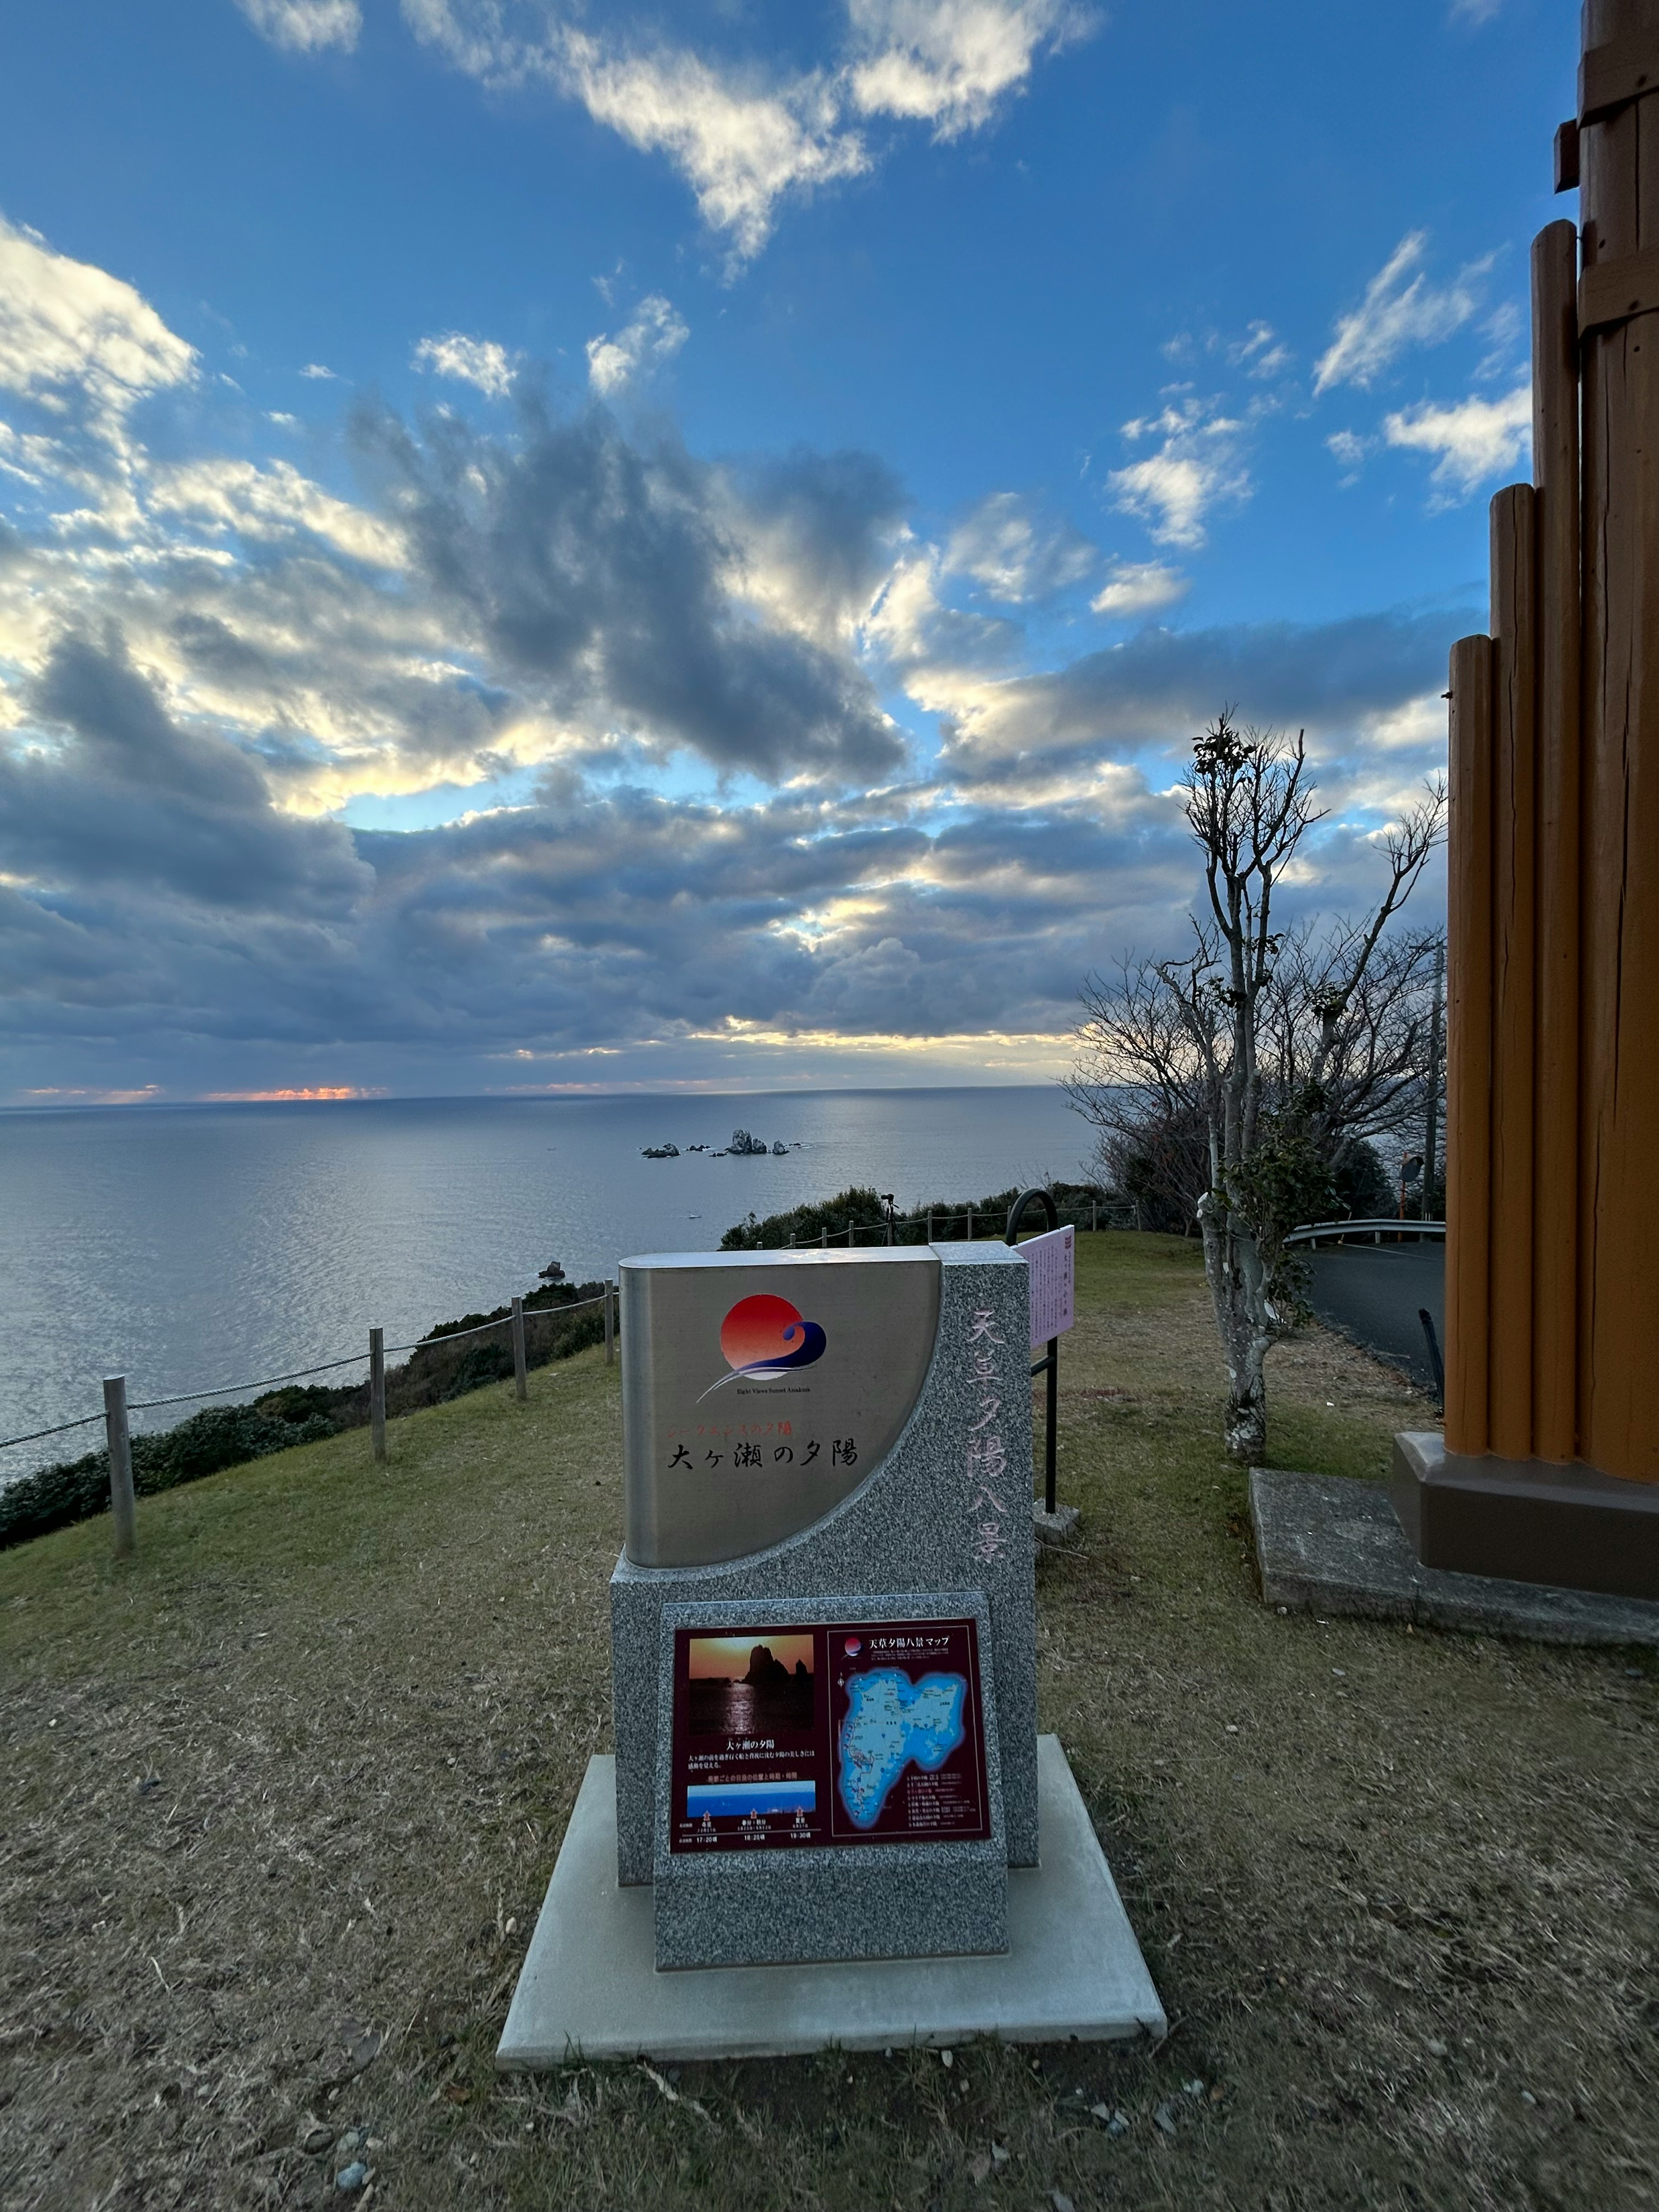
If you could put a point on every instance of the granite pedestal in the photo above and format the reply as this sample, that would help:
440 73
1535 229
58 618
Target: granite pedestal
590 1989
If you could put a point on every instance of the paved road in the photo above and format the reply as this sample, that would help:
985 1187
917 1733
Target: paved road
1373 1291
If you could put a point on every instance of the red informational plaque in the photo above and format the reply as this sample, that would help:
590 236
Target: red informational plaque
839 1733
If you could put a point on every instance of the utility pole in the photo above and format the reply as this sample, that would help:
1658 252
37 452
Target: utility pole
1432 1109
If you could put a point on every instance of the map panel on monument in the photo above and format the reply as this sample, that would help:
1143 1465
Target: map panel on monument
760 1388
837 1733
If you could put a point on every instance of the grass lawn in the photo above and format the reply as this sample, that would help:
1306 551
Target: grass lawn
283 1796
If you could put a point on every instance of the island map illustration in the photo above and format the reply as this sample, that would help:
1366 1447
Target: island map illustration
891 1721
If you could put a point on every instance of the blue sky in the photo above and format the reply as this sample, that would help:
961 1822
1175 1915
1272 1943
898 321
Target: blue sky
547 546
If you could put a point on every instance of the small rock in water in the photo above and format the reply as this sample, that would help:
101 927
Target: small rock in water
1061 2201
350 2179
1165 2117
1194 2088
1436 2050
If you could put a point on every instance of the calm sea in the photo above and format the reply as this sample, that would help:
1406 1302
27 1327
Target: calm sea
191 1245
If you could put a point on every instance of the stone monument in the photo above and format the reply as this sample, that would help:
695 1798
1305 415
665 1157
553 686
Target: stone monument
830 1818
1548 1471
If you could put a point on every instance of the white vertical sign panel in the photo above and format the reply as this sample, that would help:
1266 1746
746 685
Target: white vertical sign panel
1051 1260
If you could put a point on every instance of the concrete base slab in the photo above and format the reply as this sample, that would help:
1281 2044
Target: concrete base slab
1055 1528
1526 1520
1325 1544
589 1987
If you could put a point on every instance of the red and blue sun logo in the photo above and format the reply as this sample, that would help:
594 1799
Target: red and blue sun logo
764 1336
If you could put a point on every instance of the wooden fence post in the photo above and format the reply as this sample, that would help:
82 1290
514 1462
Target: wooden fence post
121 1506
520 1387
971 1224
930 1228
609 1328
377 1393
1094 1216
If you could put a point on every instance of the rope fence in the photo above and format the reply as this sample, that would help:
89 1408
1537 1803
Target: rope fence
117 1407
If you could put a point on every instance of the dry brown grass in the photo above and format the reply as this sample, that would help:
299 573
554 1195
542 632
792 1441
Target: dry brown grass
302 1769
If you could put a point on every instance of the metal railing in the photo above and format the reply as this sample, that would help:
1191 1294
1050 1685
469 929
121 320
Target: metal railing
1310 1233
974 1221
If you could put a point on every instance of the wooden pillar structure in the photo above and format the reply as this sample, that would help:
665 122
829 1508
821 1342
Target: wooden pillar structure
1550 1465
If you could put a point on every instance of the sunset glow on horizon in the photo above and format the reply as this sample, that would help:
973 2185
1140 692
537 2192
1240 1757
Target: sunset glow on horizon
726 1658
271 1097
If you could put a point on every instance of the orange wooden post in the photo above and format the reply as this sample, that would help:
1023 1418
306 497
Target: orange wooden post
1619 1282
1468 1047
1555 1136
1514 801
1552 1080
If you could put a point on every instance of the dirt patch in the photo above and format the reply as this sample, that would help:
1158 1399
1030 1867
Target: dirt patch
284 1798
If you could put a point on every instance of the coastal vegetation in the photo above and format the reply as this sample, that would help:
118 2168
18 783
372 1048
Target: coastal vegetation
284 1793
862 1208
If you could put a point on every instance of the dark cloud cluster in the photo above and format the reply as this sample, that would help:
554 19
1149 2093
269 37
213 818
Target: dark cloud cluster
174 898
1161 686
601 574
203 660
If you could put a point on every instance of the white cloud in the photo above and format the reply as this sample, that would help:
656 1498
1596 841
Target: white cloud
1260 353
949 62
744 137
1197 465
1140 587
653 334
910 626
315 369
1349 449
1417 726
1475 11
740 144
1475 439
305 27
268 503
1401 308
68 328
478 362
1015 554
471 32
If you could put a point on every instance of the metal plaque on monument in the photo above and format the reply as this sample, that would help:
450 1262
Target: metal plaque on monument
823 1650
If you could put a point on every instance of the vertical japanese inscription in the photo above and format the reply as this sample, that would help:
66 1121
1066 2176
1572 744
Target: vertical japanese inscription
989 1485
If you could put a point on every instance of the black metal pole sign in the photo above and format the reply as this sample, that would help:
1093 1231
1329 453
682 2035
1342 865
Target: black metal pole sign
1049 1364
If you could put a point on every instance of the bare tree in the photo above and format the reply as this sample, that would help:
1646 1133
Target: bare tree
1287 1045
